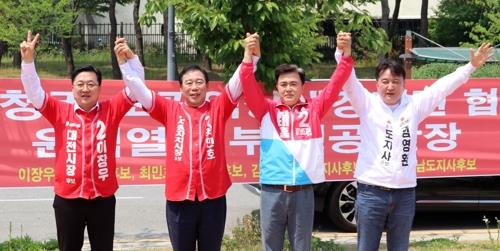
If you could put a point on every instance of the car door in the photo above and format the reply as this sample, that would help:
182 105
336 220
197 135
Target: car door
451 193
490 194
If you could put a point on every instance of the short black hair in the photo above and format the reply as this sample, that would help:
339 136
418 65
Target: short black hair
395 67
193 67
286 68
86 68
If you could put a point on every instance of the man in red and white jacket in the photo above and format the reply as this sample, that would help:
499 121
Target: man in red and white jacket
196 174
85 135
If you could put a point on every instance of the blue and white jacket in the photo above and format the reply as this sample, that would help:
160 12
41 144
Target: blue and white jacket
291 147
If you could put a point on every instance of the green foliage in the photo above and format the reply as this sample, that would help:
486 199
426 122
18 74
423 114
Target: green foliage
44 16
27 244
368 41
466 22
246 236
437 244
289 30
437 70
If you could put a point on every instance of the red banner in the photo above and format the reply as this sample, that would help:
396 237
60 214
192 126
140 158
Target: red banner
460 138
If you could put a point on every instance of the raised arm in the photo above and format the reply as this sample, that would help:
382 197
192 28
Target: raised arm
427 100
355 91
338 78
254 96
133 74
29 77
234 85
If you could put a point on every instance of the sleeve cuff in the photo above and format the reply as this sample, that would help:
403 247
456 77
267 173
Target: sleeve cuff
469 68
349 59
255 60
28 67
134 59
125 68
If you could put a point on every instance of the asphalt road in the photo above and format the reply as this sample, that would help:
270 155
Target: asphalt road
140 218
140 212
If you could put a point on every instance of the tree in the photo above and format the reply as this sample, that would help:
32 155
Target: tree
385 15
138 32
488 27
77 7
81 7
389 29
289 30
44 16
466 23
395 17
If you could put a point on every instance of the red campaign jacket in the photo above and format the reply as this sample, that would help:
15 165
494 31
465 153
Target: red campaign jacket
194 137
85 146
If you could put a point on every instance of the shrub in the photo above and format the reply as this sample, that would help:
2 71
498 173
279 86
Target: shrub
27 244
246 237
437 70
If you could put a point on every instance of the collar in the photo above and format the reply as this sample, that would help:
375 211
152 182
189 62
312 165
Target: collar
76 107
302 101
196 107
402 101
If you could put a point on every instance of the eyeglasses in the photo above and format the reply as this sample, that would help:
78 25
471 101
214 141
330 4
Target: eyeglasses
90 85
191 82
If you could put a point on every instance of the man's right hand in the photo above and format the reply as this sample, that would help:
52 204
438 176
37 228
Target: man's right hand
122 51
28 46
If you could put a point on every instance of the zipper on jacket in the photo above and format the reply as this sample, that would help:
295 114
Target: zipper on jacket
292 132
83 155
92 126
188 190
200 154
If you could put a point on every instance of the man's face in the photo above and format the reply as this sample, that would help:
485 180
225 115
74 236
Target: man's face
86 90
289 88
390 87
194 88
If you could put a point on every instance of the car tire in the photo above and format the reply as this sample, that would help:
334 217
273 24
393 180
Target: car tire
341 210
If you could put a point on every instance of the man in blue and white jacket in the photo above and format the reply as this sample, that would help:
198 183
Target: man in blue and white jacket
291 148
387 159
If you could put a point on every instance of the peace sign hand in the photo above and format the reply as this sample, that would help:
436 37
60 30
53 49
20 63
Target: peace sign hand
28 46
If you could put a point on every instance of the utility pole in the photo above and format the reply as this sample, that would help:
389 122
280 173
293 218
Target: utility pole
171 67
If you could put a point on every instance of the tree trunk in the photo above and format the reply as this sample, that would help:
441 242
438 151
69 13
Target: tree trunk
16 59
206 61
395 17
3 49
138 33
68 55
112 37
384 21
385 16
424 22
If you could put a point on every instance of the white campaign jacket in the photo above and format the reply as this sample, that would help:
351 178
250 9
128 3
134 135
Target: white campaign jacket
388 150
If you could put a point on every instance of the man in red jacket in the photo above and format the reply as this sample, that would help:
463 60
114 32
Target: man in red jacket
85 135
196 172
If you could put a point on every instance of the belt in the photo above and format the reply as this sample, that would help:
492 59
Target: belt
385 188
288 188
